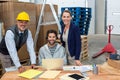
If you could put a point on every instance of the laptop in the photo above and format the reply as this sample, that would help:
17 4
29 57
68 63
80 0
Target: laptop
54 63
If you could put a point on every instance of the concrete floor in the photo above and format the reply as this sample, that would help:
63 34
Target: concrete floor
96 43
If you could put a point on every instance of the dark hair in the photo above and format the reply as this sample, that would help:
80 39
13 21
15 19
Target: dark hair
67 11
51 31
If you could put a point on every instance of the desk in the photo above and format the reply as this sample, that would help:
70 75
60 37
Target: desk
105 73
14 75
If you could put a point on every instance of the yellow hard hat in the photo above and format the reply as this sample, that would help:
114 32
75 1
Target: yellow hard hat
23 16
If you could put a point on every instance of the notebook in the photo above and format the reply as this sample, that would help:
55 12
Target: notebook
54 63
30 73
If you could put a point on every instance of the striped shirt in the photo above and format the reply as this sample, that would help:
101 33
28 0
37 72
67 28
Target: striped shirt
52 49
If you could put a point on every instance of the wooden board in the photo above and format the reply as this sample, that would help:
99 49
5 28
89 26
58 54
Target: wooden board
114 63
84 48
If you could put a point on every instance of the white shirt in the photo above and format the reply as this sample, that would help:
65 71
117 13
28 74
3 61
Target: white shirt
10 44
65 39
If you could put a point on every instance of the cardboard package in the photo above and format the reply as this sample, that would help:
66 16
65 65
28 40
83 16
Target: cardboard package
114 63
42 34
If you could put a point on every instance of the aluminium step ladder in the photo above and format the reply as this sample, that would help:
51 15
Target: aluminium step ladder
46 23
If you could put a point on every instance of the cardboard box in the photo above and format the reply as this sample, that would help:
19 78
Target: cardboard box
47 15
9 12
38 11
42 34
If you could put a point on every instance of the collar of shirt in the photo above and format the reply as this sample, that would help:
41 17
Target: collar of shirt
21 32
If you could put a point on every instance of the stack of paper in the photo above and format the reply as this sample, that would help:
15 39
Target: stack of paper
85 68
30 73
49 74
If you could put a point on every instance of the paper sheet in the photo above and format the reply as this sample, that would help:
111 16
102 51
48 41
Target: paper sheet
13 68
66 77
83 68
49 74
30 73
55 63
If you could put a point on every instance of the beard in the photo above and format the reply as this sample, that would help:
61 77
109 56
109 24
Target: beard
52 42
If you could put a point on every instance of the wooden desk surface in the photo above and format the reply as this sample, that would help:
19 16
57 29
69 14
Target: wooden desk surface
105 73
14 75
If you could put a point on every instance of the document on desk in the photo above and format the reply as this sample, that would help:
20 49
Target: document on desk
49 74
13 68
30 73
83 68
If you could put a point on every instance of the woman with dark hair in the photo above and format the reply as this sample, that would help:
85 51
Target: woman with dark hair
70 38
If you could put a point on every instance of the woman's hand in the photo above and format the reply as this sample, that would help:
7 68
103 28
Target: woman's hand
78 63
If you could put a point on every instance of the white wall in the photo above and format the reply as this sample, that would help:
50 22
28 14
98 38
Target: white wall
24 0
67 3
100 17
113 15
33 1
91 4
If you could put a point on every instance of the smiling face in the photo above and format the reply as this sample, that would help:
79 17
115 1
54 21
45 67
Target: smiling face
51 39
22 25
66 18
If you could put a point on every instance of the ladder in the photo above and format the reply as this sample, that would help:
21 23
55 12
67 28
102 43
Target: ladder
46 23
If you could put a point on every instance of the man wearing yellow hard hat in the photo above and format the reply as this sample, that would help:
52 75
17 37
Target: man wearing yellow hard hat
13 40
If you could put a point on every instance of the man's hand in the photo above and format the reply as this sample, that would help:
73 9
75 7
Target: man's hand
21 69
78 63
